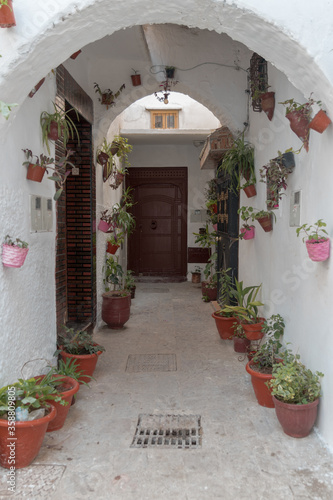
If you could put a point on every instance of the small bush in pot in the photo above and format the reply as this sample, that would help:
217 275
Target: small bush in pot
58 125
14 252
296 391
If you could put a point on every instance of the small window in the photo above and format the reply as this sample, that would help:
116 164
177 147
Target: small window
164 119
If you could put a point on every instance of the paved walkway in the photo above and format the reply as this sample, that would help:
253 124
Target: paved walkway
244 453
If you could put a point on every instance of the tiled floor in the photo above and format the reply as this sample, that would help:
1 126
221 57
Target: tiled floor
244 453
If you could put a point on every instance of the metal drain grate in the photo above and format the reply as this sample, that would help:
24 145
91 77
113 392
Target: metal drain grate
168 431
151 363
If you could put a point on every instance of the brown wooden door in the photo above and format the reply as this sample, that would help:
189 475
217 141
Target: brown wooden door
158 246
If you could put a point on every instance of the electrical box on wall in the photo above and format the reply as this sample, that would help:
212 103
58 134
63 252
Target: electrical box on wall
295 209
41 214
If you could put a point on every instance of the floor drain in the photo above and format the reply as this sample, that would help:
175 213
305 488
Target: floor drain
168 431
151 363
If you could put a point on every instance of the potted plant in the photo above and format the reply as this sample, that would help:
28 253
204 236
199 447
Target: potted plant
70 368
260 92
246 309
275 175
108 97
104 156
317 243
247 231
79 346
24 418
75 54
136 78
105 221
59 175
241 343
14 252
116 300
225 320
37 167
239 161
58 124
196 274
7 18
296 392
129 283
265 219
268 353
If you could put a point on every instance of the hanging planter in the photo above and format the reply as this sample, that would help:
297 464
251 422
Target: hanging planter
74 56
320 122
300 125
35 172
136 79
250 190
53 133
36 87
14 252
288 160
318 250
7 18
268 104
265 219
111 248
247 233
104 226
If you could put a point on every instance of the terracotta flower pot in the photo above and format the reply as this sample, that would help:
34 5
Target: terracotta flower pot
224 326
254 331
68 387
268 104
299 124
318 250
13 256
74 56
262 392
112 248
53 134
241 344
7 18
207 291
136 80
320 122
116 309
296 420
196 277
84 362
35 172
29 438
266 223
248 233
250 191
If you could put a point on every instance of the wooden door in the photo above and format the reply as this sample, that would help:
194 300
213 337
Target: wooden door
158 246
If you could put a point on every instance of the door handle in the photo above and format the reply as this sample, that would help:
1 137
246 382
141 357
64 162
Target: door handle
153 224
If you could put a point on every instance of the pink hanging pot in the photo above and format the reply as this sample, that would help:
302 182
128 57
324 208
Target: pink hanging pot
318 250
248 234
13 256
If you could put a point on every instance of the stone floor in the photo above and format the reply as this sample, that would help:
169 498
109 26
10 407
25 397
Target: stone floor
244 454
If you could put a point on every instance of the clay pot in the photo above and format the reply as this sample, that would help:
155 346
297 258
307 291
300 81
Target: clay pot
209 292
112 248
241 344
266 223
196 277
320 122
53 134
248 234
224 326
254 331
84 362
7 18
299 124
262 392
250 191
268 104
296 420
116 308
136 80
35 172
29 438
74 56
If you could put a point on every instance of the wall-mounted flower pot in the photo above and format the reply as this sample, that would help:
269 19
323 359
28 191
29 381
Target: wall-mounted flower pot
266 223
116 308
136 80
320 122
254 331
112 248
261 391
103 226
250 191
118 179
248 234
268 104
74 56
53 134
102 158
296 420
13 256
318 250
288 161
224 326
36 87
7 18
35 172
299 124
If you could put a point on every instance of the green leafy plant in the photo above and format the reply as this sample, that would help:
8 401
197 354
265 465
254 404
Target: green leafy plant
247 308
263 213
113 277
108 97
275 175
306 107
227 287
293 383
239 161
6 108
107 149
59 175
197 270
315 232
68 368
205 298
238 331
77 342
246 214
65 125
268 352
129 280
206 239
15 243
